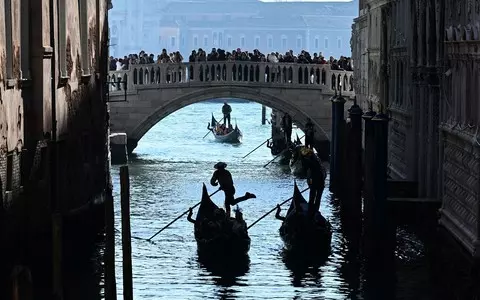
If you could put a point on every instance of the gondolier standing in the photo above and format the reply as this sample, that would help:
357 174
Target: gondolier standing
287 128
316 181
309 134
226 110
224 178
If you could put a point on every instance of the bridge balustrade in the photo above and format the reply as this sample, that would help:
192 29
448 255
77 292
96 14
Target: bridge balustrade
237 73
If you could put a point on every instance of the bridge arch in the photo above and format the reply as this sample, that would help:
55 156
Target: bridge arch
256 95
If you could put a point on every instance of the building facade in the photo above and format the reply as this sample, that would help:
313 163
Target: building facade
418 60
247 24
53 117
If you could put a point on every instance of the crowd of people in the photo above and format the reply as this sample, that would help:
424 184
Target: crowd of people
304 57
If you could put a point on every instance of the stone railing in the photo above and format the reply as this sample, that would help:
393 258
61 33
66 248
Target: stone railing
235 73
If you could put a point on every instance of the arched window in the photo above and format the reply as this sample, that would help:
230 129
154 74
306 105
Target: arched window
317 43
195 41
229 41
284 42
257 41
326 42
242 41
205 40
339 42
270 42
299 42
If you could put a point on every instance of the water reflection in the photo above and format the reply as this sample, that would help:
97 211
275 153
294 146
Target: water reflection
225 272
304 269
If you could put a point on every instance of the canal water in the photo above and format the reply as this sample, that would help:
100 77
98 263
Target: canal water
167 171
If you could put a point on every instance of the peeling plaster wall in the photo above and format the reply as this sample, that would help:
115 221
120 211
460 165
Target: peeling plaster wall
26 109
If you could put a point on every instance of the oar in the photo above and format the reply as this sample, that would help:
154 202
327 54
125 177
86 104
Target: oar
211 130
168 225
270 211
256 148
274 158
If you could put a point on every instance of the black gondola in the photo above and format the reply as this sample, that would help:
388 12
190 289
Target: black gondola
233 135
299 233
217 235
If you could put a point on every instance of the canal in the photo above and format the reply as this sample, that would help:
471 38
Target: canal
167 171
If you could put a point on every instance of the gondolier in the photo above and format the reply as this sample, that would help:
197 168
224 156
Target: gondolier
316 181
226 110
224 178
287 128
309 134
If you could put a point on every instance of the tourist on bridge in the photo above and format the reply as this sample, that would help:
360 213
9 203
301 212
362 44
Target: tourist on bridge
224 178
287 125
309 134
316 175
226 110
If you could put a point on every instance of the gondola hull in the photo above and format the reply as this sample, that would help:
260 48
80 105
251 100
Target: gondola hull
233 137
301 234
297 168
310 237
227 245
216 235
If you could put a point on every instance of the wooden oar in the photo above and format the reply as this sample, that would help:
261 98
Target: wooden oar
265 165
185 212
211 130
256 148
273 209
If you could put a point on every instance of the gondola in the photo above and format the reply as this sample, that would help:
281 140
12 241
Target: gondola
280 148
217 235
301 234
297 161
233 136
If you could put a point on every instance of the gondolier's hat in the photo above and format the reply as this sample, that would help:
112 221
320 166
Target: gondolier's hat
220 165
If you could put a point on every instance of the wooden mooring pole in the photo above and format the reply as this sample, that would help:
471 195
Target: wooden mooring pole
332 143
338 139
110 280
126 234
264 112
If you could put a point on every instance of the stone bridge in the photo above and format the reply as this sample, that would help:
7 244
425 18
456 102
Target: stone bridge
154 91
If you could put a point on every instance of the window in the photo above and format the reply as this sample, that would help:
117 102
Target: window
317 43
257 41
83 19
284 42
24 39
339 43
326 43
220 39
270 42
242 42
195 41
215 39
62 38
229 41
8 38
172 41
299 42
205 41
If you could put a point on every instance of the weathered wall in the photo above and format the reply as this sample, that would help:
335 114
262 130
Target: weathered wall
11 108
459 167
26 132
430 61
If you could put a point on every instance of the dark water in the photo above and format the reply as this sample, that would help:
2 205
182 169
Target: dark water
171 163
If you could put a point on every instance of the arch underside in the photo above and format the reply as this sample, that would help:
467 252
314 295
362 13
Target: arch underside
251 94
